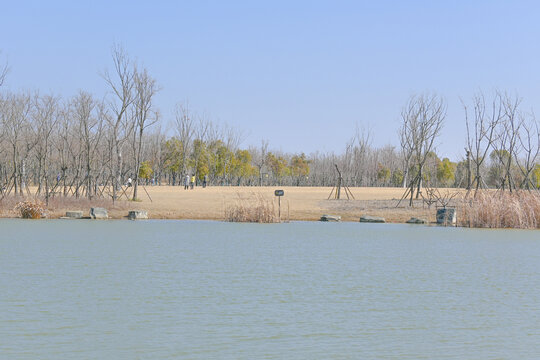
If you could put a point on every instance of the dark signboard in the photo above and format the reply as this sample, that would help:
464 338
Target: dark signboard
279 192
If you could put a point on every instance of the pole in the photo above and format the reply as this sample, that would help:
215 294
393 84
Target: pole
338 185
279 208
338 193
469 172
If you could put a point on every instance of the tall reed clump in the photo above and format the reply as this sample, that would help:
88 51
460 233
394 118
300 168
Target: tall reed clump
30 209
253 209
496 209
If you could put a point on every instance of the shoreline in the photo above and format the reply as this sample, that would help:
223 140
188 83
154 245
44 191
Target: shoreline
431 224
297 204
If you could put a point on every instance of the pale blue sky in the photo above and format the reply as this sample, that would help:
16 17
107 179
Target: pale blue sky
301 74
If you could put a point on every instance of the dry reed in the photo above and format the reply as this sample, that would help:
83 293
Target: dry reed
30 209
256 209
498 209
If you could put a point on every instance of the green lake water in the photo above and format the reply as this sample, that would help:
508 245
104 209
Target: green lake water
210 290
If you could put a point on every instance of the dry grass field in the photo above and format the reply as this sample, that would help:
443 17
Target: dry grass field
298 203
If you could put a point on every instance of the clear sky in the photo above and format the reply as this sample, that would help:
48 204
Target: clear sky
301 74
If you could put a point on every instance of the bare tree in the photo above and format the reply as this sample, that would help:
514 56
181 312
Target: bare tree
260 160
64 144
156 142
507 139
232 139
4 111
90 116
529 139
423 118
360 148
4 69
15 122
185 129
122 84
45 120
145 116
481 132
407 147
202 129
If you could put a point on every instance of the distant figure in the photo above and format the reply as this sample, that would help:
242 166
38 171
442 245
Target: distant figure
205 181
192 183
129 182
186 183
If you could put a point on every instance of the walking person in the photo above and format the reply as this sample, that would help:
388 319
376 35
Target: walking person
192 183
205 181
186 182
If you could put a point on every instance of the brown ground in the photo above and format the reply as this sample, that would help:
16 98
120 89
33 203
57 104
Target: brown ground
299 203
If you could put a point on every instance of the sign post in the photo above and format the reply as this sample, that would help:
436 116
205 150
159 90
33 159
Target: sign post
279 194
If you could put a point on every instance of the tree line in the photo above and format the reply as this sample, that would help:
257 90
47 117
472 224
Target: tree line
87 146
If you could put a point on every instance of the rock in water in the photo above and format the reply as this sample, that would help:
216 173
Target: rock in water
446 216
74 214
99 213
137 214
330 218
372 219
414 220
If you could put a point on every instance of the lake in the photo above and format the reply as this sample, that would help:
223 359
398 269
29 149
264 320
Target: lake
82 289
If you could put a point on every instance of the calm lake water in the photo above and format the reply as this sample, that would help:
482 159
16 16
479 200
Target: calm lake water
212 290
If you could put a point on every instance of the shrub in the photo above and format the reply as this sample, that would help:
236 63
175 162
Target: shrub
255 209
30 209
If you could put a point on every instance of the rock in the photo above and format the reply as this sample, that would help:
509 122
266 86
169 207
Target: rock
330 218
446 216
372 219
74 214
137 214
414 220
99 213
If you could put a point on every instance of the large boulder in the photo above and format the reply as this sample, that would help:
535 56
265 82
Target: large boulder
74 214
334 218
414 220
137 214
446 216
99 213
371 219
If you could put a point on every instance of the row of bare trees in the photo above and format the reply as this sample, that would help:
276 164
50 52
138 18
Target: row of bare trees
75 146
89 146
500 131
